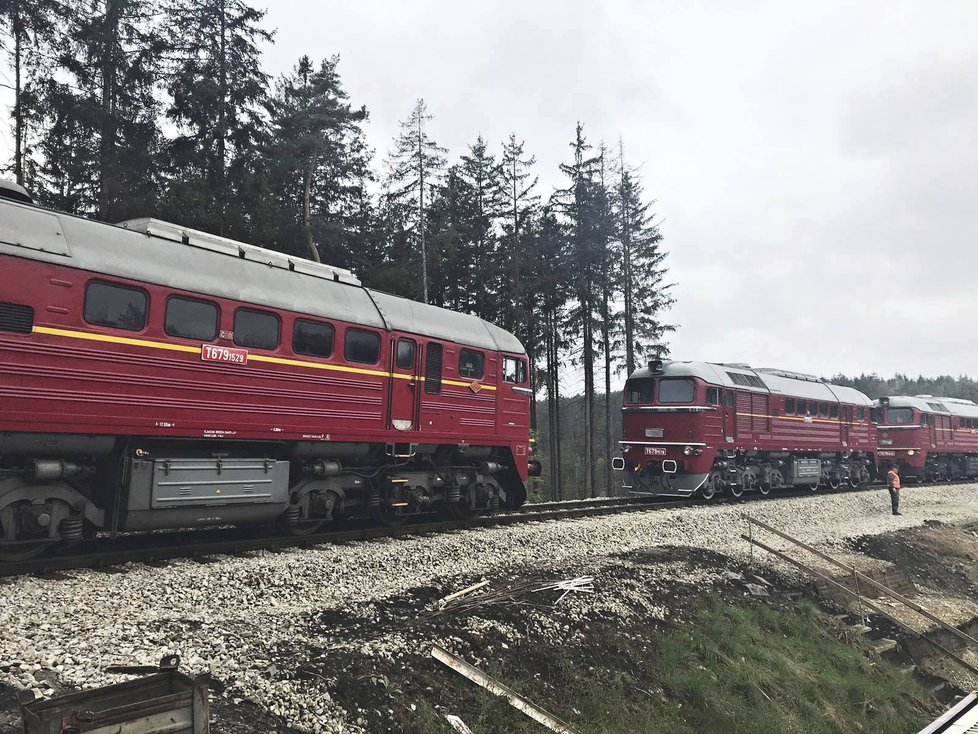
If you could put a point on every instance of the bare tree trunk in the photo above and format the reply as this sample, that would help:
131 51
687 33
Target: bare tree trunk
18 99
307 211
626 256
421 218
609 449
222 130
108 128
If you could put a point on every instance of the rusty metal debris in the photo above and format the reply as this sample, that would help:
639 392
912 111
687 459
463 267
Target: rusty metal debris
493 686
166 702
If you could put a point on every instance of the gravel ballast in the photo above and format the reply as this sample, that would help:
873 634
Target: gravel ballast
234 616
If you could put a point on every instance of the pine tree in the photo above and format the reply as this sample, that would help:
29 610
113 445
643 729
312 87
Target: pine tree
105 115
608 286
646 294
217 90
521 204
32 27
580 207
318 159
552 289
414 173
483 178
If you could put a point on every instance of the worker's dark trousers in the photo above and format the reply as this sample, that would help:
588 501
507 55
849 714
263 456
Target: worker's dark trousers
895 500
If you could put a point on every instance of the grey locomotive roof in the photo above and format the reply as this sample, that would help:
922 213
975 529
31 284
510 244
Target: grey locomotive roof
928 404
212 266
778 382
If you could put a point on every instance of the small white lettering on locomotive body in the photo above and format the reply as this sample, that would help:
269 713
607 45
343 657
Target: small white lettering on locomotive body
165 424
654 451
214 353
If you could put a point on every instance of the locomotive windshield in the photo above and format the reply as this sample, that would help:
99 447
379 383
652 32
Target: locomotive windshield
676 391
639 392
899 416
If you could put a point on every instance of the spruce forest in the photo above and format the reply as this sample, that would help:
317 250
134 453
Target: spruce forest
134 108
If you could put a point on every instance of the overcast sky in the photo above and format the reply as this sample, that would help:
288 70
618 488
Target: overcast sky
815 164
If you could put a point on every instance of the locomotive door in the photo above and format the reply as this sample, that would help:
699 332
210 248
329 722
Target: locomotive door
404 388
729 412
845 416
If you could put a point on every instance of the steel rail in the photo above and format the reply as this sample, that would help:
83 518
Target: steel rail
568 509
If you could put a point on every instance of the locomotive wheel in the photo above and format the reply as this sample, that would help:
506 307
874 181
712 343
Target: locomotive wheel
305 527
709 489
853 480
834 482
764 488
22 552
814 486
736 489
389 517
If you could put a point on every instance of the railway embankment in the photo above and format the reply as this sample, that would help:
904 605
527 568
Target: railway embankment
666 635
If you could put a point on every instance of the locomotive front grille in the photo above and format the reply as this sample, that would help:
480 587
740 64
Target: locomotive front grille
16 319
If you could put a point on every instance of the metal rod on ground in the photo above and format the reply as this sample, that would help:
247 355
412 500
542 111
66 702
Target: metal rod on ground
875 584
878 610
516 700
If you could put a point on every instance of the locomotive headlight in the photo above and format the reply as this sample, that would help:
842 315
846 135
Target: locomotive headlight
625 448
910 452
688 451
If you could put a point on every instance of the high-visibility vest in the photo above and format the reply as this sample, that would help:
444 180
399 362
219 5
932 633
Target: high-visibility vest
893 479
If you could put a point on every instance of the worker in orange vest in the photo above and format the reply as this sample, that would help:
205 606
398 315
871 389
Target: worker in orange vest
893 484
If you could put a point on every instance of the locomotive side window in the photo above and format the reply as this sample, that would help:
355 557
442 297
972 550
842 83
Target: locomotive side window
789 406
639 392
256 329
190 319
713 396
834 410
514 370
676 391
860 414
730 398
313 338
823 410
471 364
115 306
361 346
405 354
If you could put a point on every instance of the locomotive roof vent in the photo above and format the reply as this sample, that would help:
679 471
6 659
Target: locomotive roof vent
958 401
923 396
242 250
787 373
738 365
14 192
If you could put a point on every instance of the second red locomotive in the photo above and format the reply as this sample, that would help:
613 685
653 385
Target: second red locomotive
700 426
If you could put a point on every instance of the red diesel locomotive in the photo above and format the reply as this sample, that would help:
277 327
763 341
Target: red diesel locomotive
928 438
699 426
153 376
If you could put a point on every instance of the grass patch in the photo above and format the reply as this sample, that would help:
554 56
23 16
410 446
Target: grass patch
747 668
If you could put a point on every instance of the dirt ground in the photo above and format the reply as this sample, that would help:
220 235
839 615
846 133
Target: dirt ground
374 661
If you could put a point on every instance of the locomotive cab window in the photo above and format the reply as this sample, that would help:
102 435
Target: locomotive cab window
191 319
256 329
639 392
899 416
312 338
514 370
713 396
361 346
405 354
729 398
471 364
676 391
115 306
789 406
860 414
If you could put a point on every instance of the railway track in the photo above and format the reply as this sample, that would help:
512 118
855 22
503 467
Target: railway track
200 544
